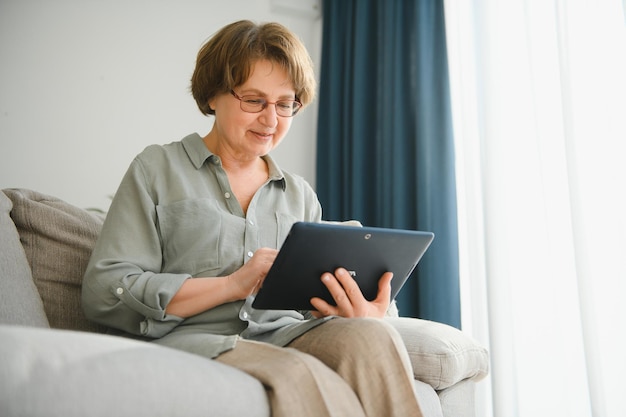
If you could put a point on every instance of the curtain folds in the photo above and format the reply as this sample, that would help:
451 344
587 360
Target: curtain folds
539 93
385 151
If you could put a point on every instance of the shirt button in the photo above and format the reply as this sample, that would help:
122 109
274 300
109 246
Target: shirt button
119 291
251 222
250 254
227 195
244 315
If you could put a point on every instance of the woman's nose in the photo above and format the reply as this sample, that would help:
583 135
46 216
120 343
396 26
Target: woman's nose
268 115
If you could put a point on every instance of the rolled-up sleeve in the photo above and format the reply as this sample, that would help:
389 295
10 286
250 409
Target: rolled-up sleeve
123 287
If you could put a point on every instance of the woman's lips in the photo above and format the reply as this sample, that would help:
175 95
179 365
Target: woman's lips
263 135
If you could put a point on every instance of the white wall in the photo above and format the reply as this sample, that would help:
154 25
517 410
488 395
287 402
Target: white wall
85 85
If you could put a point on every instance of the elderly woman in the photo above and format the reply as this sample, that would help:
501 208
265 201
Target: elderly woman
194 228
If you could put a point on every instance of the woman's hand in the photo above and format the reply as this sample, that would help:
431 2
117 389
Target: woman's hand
200 294
248 279
349 298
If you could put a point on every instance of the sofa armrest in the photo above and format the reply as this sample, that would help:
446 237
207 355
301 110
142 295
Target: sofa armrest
49 372
441 355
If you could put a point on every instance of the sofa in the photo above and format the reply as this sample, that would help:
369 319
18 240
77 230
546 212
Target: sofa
54 362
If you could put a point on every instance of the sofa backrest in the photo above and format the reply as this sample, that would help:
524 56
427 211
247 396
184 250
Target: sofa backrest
57 239
20 302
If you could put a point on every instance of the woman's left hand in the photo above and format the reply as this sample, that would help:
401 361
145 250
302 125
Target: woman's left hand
349 298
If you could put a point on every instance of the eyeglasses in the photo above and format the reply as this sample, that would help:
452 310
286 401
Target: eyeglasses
256 104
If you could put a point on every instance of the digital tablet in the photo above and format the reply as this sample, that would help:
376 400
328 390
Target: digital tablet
311 249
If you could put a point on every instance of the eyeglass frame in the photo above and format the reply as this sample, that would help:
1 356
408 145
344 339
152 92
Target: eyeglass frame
264 103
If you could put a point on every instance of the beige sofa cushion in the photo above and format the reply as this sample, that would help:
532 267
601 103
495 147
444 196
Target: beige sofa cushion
441 355
58 239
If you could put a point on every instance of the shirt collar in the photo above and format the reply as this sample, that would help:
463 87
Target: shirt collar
196 150
275 173
198 154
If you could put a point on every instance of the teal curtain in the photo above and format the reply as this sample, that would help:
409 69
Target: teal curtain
385 150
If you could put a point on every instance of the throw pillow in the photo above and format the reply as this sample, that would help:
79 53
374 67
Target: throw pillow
58 239
441 355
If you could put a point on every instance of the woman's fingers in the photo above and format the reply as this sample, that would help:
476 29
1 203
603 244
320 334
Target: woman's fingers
249 278
384 289
349 299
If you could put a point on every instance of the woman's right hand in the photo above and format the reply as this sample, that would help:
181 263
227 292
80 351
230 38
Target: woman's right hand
248 279
200 294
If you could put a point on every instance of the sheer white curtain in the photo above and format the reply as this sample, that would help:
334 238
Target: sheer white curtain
539 106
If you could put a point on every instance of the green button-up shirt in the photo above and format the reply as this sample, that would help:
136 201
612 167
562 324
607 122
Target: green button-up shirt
174 217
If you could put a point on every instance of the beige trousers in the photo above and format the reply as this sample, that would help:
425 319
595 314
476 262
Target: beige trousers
344 367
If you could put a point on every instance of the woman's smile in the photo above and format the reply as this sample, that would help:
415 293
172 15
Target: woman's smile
263 135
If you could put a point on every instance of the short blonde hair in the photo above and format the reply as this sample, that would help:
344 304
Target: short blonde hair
226 60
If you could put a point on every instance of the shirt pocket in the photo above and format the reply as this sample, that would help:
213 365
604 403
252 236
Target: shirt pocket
284 222
190 235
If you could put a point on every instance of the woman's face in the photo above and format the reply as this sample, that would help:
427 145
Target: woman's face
246 136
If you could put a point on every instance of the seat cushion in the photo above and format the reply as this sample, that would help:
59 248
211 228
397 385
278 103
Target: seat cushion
58 239
441 355
20 302
68 373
